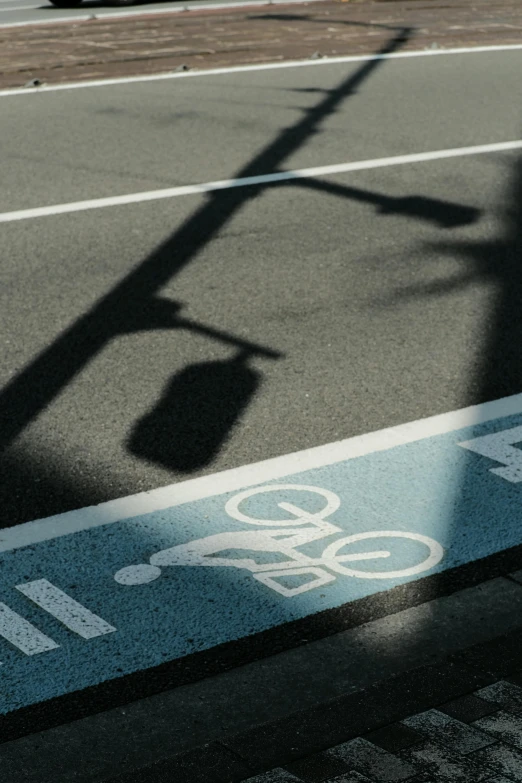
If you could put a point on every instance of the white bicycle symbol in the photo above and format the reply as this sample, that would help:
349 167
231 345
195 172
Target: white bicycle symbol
283 538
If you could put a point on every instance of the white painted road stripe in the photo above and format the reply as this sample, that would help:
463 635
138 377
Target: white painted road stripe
262 179
248 68
22 634
68 611
250 475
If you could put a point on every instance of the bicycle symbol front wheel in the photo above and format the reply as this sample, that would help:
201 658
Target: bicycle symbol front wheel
298 515
331 559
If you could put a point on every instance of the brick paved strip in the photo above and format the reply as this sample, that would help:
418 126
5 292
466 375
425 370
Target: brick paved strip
502 759
125 46
454 735
427 747
276 775
503 726
470 708
362 756
448 767
504 694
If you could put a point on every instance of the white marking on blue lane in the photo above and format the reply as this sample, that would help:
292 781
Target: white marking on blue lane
68 611
218 559
20 633
499 447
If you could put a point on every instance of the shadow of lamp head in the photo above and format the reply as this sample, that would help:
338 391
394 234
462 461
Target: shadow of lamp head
195 415
442 213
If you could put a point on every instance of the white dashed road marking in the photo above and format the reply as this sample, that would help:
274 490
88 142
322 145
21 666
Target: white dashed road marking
262 179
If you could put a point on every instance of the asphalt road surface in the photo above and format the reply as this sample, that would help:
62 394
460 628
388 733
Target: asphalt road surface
366 297
168 338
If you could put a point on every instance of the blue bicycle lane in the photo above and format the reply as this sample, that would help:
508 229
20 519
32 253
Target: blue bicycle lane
125 589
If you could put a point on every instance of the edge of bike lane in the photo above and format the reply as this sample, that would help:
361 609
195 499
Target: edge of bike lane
352 646
221 739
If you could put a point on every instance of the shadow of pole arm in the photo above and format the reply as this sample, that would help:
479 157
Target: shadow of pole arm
120 310
225 337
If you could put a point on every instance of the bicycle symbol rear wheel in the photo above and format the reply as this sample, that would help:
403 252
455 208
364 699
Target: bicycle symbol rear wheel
331 559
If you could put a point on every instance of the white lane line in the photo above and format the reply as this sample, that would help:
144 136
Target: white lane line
68 611
262 179
22 634
249 68
239 478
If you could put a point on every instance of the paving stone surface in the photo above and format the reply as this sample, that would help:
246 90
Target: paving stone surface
449 732
430 747
144 44
503 694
